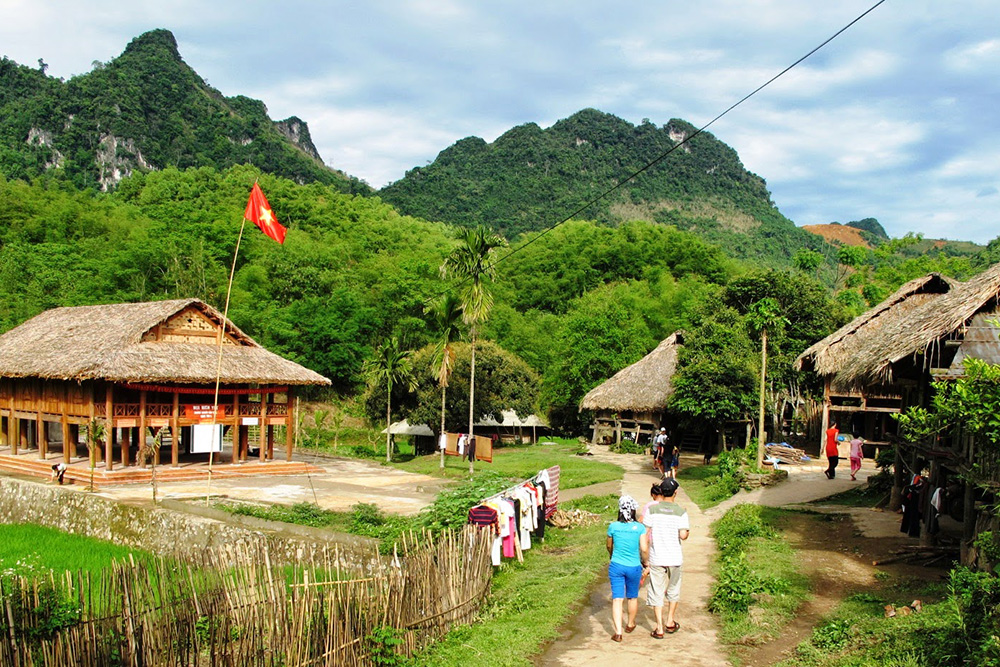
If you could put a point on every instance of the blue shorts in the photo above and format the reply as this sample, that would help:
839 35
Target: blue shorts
624 580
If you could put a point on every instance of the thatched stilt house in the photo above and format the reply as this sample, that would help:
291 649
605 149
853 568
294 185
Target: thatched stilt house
129 367
634 400
861 402
897 349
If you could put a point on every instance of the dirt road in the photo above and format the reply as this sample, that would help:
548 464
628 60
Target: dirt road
587 640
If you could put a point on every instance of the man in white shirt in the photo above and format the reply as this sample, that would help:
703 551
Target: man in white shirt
668 526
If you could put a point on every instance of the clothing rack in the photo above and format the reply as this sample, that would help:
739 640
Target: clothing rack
511 488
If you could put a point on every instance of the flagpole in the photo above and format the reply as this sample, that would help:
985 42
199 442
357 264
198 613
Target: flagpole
218 366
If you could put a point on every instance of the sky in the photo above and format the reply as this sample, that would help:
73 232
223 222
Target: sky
896 119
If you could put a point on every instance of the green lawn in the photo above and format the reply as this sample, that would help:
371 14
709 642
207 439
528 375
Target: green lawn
27 547
530 601
521 462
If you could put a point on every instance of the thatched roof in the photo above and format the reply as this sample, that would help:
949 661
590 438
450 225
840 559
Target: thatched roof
404 427
645 385
115 342
864 332
510 420
918 328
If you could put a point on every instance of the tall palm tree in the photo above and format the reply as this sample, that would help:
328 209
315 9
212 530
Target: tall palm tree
473 264
389 365
446 317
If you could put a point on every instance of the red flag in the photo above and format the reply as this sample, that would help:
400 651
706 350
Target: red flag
259 213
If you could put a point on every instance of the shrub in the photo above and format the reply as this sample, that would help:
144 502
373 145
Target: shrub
450 509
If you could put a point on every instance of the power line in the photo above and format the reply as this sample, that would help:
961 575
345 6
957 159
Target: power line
686 140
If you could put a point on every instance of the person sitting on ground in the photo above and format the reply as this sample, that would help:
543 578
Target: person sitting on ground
628 548
668 526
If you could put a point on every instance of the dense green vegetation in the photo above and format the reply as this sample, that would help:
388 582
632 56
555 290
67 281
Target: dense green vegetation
144 110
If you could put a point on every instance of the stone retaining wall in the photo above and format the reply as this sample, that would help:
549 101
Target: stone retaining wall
176 529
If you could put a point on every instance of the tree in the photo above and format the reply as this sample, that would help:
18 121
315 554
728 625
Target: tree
389 365
472 263
763 315
446 315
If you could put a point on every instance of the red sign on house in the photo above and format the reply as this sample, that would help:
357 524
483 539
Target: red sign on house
203 413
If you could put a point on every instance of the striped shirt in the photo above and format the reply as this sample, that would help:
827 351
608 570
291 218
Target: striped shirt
665 521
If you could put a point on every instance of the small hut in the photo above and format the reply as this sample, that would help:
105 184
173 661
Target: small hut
634 401
511 428
135 366
421 435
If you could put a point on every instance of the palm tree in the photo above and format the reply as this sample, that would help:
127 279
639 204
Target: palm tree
472 263
763 315
389 365
446 315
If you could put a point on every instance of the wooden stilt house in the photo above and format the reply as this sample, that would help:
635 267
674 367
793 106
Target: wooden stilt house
633 402
138 366
886 361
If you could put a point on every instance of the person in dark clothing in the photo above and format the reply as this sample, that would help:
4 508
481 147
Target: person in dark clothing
911 507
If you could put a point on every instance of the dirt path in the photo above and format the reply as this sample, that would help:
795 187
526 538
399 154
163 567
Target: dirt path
587 640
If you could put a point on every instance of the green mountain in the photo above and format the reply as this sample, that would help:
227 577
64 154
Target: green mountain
143 111
531 178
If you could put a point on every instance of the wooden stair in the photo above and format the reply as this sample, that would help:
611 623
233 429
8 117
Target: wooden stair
79 472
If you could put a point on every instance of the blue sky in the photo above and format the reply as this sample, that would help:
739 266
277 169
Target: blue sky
896 119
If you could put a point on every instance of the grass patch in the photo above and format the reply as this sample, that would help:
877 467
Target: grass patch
758 586
40 548
530 601
521 462
698 482
859 496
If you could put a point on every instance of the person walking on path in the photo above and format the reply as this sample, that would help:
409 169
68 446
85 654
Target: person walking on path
856 455
668 526
628 548
660 443
832 451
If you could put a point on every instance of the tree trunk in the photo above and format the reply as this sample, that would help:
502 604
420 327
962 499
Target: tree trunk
443 390
763 378
388 423
472 398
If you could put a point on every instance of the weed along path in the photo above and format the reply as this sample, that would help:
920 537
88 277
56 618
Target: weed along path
587 639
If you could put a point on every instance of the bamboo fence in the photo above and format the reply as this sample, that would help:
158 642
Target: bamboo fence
241 607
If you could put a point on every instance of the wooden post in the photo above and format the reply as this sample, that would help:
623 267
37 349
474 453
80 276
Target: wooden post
968 523
41 437
235 433
290 425
66 435
244 436
263 427
175 431
270 442
126 444
14 427
109 427
141 440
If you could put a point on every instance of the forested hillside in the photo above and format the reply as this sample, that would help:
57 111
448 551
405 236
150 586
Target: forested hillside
530 178
144 110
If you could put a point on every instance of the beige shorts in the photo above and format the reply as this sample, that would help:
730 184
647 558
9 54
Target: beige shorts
663 582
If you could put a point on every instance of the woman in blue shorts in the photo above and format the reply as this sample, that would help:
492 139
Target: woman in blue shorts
629 551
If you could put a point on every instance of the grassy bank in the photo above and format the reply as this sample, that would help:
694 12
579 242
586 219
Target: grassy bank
27 548
759 585
530 601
